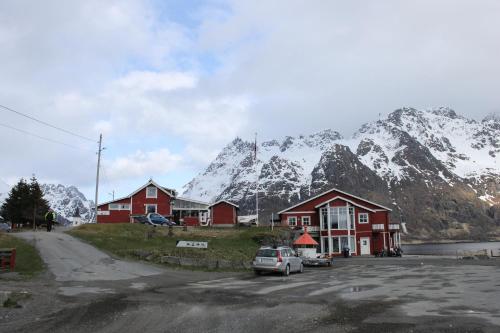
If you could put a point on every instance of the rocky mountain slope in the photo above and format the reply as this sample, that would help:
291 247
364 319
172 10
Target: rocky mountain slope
438 170
65 199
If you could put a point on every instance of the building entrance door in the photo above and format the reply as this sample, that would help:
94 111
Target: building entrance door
365 245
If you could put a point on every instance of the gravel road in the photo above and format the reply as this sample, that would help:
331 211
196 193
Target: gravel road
355 295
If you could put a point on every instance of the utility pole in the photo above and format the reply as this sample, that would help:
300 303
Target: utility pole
113 194
256 184
97 176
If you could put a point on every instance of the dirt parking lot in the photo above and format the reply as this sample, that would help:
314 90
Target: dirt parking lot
356 295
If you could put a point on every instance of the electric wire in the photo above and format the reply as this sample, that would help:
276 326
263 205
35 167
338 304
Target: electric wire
40 137
46 124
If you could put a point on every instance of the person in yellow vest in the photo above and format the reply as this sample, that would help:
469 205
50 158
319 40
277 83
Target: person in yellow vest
50 218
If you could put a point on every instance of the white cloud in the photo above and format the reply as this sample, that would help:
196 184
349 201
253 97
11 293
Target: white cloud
141 164
281 68
142 81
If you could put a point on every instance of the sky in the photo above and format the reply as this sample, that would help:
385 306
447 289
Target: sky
170 83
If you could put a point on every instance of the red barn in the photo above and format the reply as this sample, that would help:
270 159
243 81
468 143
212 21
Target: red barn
337 219
223 213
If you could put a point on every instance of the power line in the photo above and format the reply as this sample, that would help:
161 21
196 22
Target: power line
46 124
38 136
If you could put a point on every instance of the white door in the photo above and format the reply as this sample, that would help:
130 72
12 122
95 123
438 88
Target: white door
365 245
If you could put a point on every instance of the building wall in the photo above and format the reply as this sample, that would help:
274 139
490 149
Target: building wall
162 202
115 216
223 213
362 229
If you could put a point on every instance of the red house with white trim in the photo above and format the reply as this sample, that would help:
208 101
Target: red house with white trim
223 213
336 219
149 198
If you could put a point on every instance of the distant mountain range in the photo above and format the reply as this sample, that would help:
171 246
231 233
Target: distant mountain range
439 171
63 199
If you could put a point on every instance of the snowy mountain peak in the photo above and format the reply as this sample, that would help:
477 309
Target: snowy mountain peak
65 199
445 112
4 191
492 117
432 155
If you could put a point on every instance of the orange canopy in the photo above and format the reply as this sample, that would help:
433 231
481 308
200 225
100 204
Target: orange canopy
305 239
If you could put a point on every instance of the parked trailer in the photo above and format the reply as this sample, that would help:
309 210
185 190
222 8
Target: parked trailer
317 261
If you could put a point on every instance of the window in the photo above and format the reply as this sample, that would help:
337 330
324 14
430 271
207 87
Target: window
292 220
306 220
344 243
267 253
150 208
363 217
338 218
151 192
119 206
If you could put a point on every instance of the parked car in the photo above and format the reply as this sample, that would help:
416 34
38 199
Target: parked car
282 259
155 219
5 227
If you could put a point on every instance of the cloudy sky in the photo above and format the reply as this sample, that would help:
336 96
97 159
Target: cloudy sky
169 83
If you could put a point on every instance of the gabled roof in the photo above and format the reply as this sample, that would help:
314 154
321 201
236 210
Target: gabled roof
305 239
151 182
345 199
331 190
221 201
192 200
112 201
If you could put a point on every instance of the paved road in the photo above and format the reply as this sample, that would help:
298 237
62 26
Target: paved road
72 260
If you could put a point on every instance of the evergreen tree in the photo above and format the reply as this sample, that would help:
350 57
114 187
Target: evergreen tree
24 202
40 206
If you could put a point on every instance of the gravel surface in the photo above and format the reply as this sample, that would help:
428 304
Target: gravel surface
414 294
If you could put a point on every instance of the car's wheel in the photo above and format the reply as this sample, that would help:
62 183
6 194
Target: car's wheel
301 270
257 272
286 272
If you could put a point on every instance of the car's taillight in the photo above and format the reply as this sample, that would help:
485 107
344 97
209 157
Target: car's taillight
280 258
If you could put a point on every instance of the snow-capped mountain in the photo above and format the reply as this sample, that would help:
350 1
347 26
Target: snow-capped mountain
4 191
65 199
412 158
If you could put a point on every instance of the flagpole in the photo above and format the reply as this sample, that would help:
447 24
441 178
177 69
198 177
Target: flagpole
256 183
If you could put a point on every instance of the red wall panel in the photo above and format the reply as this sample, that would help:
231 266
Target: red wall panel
223 213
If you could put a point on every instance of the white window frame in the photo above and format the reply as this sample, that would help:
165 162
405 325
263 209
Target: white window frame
146 208
119 206
147 192
292 218
367 218
308 220
353 243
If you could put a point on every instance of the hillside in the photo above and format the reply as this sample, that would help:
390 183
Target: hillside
439 171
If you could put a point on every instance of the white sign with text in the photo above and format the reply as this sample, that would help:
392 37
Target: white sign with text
195 244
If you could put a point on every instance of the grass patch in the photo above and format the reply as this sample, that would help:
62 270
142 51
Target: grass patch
131 241
28 261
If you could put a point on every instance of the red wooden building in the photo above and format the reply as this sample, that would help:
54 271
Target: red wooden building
336 219
151 198
223 213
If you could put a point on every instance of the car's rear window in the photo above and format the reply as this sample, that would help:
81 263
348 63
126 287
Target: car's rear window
267 253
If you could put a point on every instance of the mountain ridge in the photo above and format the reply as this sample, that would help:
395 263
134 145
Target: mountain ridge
434 155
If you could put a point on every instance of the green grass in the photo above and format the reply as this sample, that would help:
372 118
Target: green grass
28 261
126 240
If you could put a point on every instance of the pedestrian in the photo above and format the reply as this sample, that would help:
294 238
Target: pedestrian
50 218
